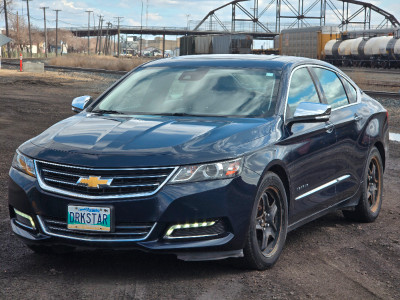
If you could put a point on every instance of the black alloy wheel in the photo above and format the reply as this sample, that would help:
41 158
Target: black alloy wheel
268 227
374 184
370 202
268 220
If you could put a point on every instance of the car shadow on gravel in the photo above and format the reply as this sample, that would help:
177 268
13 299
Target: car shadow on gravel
122 264
119 265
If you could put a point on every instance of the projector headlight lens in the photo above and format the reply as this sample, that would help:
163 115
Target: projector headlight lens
218 170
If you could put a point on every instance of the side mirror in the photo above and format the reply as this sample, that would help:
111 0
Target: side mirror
80 103
311 112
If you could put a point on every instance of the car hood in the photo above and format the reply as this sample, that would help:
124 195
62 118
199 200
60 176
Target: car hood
109 141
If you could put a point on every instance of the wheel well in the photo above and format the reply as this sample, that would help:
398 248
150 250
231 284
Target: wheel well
280 171
381 150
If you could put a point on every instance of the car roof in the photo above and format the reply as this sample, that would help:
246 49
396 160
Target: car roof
234 60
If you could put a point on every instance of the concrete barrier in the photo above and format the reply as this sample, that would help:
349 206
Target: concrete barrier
33 67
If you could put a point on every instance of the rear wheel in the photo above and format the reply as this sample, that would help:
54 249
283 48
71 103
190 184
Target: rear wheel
268 228
370 202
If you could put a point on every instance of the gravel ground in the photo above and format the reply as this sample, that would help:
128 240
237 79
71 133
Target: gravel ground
375 79
393 106
329 258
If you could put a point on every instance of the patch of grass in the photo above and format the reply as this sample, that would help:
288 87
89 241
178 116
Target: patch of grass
98 62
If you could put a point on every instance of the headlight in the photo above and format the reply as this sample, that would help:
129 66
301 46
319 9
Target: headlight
218 170
24 164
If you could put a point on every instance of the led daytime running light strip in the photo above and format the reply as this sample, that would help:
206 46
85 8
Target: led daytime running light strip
28 217
186 226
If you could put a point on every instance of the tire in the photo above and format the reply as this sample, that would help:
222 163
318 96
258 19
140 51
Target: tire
370 203
268 225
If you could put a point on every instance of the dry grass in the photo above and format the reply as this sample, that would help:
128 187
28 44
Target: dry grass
98 62
14 75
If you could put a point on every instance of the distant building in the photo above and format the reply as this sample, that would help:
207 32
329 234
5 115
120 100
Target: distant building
149 47
63 50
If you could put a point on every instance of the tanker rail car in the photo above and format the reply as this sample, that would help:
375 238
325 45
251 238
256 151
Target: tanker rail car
375 52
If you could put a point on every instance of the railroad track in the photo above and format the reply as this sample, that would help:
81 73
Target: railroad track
383 94
71 69
372 70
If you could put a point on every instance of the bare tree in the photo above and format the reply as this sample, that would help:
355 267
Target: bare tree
18 27
9 7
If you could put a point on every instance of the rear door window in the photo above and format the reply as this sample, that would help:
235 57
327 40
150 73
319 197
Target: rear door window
332 88
351 91
302 89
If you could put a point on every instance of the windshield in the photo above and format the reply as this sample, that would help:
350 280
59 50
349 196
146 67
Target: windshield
195 91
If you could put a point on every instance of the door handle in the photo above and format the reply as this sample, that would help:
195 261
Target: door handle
329 127
357 117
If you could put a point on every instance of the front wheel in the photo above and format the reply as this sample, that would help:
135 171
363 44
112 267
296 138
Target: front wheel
370 202
268 227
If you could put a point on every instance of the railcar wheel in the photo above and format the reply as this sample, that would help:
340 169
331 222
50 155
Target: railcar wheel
268 228
370 202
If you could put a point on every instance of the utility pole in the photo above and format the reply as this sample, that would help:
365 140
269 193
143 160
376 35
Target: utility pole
101 32
119 33
98 36
147 12
88 28
187 22
29 26
57 10
7 33
110 40
105 47
114 45
141 30
45 29
18 40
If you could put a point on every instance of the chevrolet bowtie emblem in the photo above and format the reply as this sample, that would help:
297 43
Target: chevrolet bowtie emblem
94 181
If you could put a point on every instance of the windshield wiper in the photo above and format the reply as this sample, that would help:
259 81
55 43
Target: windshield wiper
182 114
106 111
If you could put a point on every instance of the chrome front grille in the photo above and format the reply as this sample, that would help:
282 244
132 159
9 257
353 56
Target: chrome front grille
123 232
121 183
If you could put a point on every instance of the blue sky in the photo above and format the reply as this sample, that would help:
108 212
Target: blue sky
168 13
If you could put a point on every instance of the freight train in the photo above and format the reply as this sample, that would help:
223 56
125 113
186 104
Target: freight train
375 52
376 48
216 44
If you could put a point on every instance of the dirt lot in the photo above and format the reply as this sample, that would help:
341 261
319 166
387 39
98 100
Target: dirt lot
375 79
328 258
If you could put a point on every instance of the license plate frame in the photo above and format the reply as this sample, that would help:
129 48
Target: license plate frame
90 215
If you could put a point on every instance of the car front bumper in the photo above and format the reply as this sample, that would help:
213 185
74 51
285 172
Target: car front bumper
228 202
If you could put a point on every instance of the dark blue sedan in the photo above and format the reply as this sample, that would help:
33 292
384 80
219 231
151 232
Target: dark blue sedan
205 157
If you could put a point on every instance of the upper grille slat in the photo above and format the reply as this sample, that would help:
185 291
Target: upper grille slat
60 181
113 183
58 172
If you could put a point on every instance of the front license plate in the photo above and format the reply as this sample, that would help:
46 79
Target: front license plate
89 218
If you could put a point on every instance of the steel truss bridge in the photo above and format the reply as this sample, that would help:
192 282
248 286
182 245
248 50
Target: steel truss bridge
265 22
